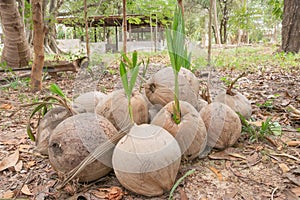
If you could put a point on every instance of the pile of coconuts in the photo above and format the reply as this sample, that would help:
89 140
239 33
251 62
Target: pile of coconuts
147 156
135 133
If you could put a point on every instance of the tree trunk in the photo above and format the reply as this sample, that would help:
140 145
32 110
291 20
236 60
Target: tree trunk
217 33
38 44
16 51
50 37
209 33
291 26
86 30
224 20
124 27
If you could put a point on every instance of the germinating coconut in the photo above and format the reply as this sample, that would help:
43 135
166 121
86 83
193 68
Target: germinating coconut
115 109
159 88
223 125
88 101
190 133
77 137
47 125
237 102
146 160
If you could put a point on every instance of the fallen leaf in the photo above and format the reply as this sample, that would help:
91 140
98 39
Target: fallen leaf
183 195
217 172
296 191
112 193
5 106
99 194
293 178
237 155
8 194
252 159
284 168
290 195
19 165
9 161
257 123
25 190
30 164
115 193
293 143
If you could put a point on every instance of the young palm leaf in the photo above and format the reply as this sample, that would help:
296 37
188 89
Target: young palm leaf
133 68
59 98
178 55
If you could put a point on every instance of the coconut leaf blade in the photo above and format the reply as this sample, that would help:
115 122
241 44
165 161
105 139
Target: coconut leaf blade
55 89
134 59
123 74
134 73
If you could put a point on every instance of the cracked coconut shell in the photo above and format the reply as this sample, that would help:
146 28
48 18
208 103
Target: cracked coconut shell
146 160
223 125
77 137
115 109
190 133
160 87
237 102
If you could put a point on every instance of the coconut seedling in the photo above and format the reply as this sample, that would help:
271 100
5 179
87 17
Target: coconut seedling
223 124
235 100
41 108
113 107
180 118
147 159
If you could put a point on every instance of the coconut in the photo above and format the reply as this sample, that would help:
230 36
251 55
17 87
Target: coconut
201 104
159 88
115 109
223 125
237 102
89 100
75 138
47 125
190 133
146 160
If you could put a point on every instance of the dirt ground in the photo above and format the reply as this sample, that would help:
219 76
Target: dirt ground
265 169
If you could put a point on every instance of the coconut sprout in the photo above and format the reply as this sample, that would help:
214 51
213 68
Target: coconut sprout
223 125
190 133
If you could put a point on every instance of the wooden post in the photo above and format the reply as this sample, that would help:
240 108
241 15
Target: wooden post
86 30
124 27
38 45
209 33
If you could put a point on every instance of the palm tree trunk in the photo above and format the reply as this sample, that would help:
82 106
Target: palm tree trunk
16 51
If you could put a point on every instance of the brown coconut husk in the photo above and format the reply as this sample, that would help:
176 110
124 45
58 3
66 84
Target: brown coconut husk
223 125
46 126
146 160
190 133
77 137
237 102
88 101
159 88
115 109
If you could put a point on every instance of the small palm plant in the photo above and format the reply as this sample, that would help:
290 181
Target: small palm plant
133 67
42 107
178 55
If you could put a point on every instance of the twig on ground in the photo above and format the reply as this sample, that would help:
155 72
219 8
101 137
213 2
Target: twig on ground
273 192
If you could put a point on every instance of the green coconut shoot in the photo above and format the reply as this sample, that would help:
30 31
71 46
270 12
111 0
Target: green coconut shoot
178 55
133 67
